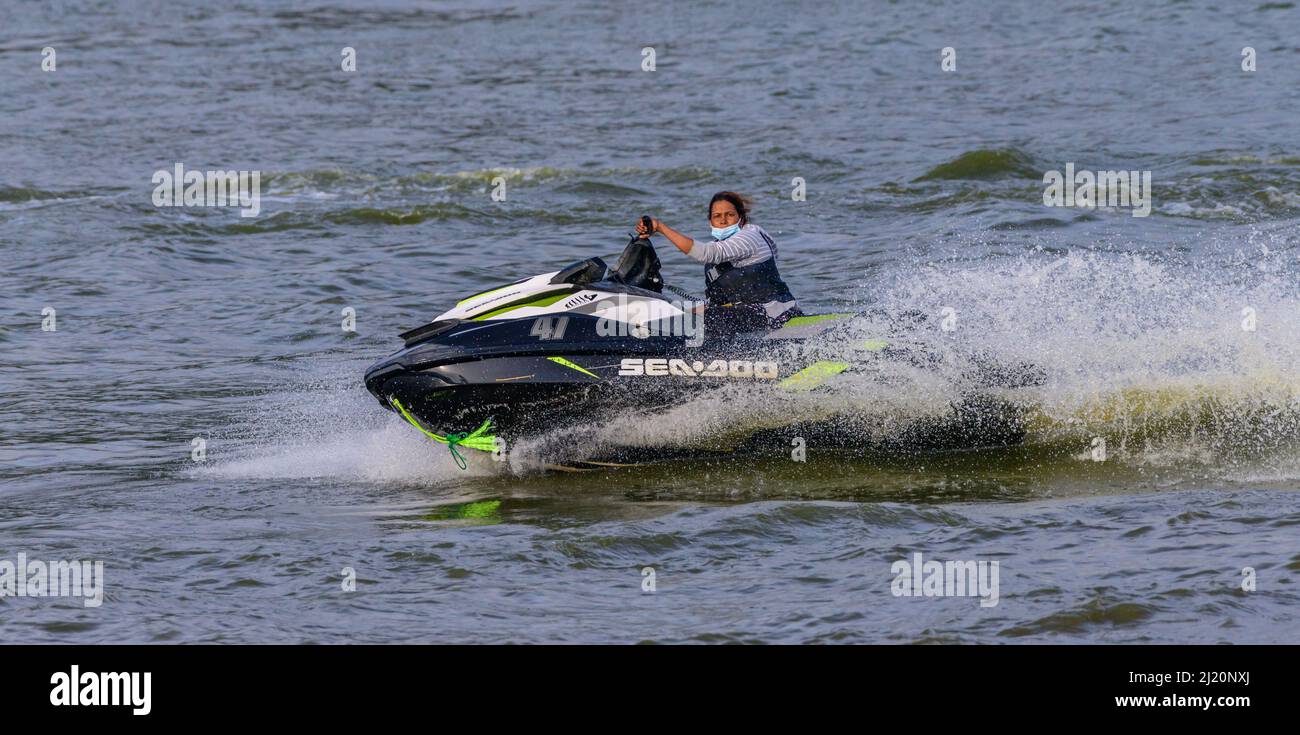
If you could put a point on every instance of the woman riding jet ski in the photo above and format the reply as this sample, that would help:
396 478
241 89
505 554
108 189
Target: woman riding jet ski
743 286
570 348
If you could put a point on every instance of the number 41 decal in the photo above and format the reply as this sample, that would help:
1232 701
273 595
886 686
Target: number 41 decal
549 327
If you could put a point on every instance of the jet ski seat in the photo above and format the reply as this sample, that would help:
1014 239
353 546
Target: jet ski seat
582 273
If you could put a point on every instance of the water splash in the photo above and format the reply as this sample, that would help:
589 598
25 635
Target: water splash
323 424
1169 362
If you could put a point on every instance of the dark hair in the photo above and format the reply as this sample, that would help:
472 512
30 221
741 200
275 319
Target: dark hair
739 201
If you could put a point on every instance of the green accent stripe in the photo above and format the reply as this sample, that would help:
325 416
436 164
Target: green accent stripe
814 375
542 300
485 293
800 321
579 368
477 439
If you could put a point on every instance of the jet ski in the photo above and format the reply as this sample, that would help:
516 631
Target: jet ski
589 341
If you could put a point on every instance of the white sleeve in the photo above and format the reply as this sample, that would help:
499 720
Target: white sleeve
744 244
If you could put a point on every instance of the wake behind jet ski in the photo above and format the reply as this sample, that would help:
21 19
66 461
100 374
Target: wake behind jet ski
579 345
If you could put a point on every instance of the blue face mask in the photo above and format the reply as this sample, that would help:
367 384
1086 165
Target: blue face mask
722 233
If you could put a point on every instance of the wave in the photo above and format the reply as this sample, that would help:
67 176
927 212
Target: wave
337 183
14 198
1233 188
985 164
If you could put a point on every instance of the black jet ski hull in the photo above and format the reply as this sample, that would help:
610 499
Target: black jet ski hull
521 395
524 395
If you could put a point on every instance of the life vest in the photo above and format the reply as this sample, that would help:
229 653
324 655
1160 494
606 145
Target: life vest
752 284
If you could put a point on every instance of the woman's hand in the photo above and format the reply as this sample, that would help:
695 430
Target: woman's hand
682 242
642 231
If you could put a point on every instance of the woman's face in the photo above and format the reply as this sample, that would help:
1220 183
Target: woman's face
723 214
